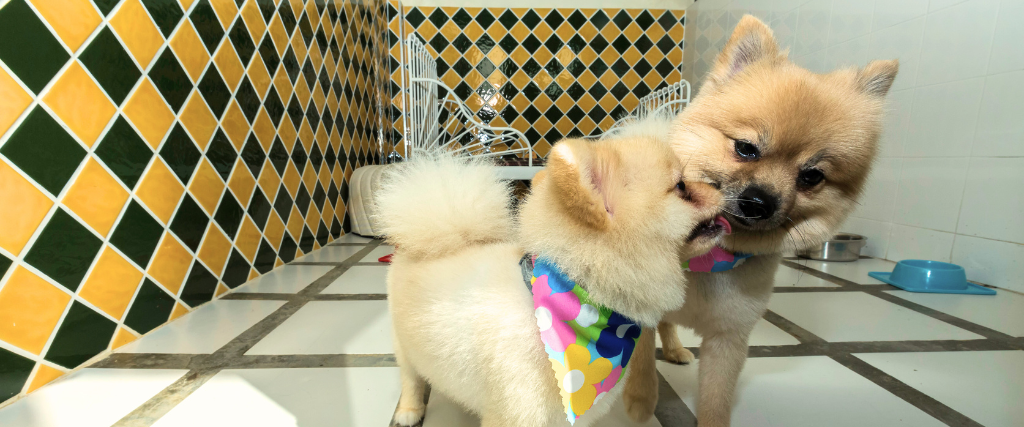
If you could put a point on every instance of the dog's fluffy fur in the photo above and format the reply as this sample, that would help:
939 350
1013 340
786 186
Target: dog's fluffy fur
799 120
609 213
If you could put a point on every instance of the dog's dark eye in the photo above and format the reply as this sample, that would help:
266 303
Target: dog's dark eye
746 150
681 186
809 178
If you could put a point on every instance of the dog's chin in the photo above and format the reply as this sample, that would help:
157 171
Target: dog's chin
706 234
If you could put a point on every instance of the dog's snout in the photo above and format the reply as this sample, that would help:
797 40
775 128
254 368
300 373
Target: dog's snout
757 204
702 195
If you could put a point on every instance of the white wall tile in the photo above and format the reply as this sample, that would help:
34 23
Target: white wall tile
781 6
852 53
930 192
879 198
943 119
889 12
850 19
895 123
993 199
1001 120
939 4
991 262
814 62
812 30
784 26
957 42
759 8
1007 53
919 243
903 42
877 233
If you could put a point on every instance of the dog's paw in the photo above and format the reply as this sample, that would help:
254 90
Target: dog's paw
409 416
640 406
678 355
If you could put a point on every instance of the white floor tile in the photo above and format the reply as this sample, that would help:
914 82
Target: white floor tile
287 279
90 397
360 280
330 254
378 252
856 271
764 333
786 276
205 330
350 397
352 238
984 385
443 412
332 327
1003 312
856 316
803 391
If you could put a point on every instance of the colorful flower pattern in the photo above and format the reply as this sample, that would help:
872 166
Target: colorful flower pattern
588 345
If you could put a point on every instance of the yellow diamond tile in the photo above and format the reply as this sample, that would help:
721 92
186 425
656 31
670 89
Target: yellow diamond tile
258 75
299 46
286 131
473 31
312 218
542 147
80 103
520 124
179 310
543 55
427 30
306 135
185 4
542 125
29 310
226 11
248 239
586 125
564 102
254 274
20 220
198 120
282 85
587 102
315 56
229 66
588 31
655 32
279 34
221 290
215 250
543 31
587 79
278 263
137 31
190 51
542 79
302 90
160 191
269 181
632 56
564 79
677 33
565 55
147 110
170 264
274 230
564 125
73 20
97 197
608 80
610 32
122 337
318 98
565 31
44 375
497 32
112 284
235 125
295 223
587 55
520 79
207 187
254 20
608 102
241 183
309 178
520 31
314 16
264 129
16 100
633 32
631 79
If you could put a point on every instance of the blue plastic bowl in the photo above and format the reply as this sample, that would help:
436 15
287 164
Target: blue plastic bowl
917 275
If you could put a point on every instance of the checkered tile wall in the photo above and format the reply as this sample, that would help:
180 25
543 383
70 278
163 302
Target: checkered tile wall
549 73
156 153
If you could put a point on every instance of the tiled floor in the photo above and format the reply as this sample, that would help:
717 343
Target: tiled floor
310 345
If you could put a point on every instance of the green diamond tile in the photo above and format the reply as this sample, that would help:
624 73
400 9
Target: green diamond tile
44 150
28 47
180 153
64 250
166 13
207 24
14 371
137 234
170 79
124 152
5 263
215 91
83 334
199 286
221 154
229 215
190 222
151 308
237 270
266 257
108 62
106 6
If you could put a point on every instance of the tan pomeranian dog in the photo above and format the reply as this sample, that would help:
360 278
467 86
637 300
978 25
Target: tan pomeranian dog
790 151
614 216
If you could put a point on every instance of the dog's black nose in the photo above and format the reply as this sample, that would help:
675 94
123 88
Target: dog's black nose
756 204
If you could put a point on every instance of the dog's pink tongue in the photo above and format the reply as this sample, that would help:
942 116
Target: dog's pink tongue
720 220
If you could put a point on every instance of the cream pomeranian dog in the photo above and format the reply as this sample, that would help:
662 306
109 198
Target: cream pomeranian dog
790 150
613 217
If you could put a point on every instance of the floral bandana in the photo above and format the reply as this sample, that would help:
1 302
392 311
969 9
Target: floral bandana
588 345
715 261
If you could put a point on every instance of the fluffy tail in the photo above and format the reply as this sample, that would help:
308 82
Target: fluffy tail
437 204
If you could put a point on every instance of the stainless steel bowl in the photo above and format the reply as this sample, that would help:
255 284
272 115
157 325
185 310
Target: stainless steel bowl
843 247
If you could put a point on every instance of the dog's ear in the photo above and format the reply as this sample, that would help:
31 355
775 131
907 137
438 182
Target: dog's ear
751 41
581 175
877 77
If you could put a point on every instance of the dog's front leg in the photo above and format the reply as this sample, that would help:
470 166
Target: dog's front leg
641 392
722 356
